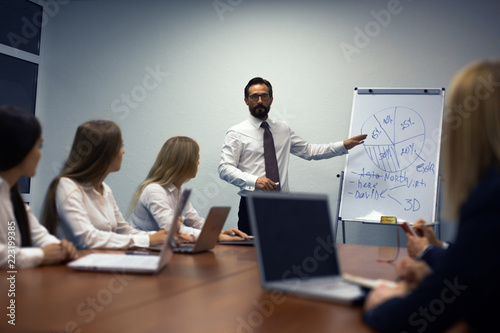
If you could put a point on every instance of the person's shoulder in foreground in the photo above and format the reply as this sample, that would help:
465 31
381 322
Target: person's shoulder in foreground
462 287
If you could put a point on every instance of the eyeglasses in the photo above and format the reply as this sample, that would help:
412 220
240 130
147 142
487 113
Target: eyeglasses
255 97
396 254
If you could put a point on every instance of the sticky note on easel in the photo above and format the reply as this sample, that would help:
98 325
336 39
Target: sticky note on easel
388 219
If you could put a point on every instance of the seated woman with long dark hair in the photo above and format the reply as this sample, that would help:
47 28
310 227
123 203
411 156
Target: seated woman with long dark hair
80 206
24 242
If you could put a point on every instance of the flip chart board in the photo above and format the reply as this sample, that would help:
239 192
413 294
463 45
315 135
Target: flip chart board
396 171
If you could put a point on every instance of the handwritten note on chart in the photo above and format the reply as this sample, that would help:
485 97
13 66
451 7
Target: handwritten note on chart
396 171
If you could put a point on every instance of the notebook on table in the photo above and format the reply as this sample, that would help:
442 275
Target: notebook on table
295 243
209 233
140 263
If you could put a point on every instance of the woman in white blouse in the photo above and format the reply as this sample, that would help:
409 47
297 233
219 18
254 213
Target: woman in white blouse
24 243
155 199
80 206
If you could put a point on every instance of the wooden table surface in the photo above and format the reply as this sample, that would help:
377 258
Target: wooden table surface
216 291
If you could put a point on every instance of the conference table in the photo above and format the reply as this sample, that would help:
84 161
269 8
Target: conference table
215 291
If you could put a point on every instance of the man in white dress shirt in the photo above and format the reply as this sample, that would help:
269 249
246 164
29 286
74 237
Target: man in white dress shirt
242 156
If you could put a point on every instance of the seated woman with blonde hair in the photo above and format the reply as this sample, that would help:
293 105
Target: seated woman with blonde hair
156 197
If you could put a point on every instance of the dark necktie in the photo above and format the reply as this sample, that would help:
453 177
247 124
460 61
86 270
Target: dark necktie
270 155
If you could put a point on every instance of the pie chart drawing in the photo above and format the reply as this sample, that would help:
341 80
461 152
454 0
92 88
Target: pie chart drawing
396 136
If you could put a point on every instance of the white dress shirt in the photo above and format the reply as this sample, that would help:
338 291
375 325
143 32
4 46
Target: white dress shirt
242 156
25 257
92 220
156 209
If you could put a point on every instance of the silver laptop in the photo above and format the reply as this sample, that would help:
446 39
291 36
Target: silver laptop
139 263
295 243
209 233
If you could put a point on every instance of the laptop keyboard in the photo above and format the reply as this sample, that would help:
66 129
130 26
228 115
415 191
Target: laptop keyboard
324 284
184 247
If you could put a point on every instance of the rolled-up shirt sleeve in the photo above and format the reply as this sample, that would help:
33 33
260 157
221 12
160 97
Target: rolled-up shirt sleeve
313 151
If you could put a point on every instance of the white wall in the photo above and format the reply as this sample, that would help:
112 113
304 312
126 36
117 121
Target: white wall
95 53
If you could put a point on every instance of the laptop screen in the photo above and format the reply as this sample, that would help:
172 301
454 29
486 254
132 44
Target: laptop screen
294 235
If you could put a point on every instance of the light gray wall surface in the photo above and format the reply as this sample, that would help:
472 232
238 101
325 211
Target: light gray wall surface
163 68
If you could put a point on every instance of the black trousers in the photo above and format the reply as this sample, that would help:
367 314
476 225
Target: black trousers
243 219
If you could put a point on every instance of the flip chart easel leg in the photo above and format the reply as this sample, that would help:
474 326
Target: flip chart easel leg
343 231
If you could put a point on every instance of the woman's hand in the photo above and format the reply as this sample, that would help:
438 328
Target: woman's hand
53 254
184 238
158 237
71 253
427 232
426 237
416 245
412 272
232 234
384 292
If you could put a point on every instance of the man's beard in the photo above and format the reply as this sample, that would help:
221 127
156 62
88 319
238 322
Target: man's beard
259 111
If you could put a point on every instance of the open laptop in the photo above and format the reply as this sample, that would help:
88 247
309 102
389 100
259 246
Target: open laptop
141 263
295 243
209 233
